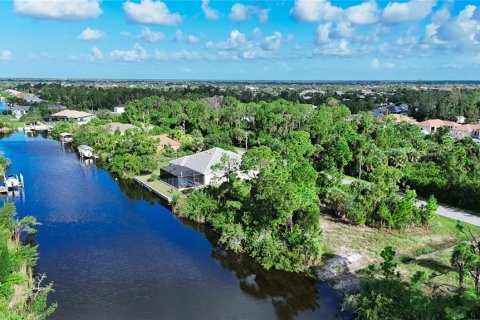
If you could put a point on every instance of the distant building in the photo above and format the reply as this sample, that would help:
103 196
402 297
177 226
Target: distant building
119 109
121 127
198 170
31 98
390 109
66 115
19 111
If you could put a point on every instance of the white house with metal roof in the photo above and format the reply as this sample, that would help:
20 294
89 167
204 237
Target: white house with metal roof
200 169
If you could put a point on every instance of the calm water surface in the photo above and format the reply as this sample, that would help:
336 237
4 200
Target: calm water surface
114 252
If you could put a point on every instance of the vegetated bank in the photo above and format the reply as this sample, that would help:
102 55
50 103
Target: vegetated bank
299 154
22 293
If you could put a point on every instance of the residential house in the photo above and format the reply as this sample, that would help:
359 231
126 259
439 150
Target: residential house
31 98
19 111
390 109
430 126
165 140
466 130
66 115
199 169
121 127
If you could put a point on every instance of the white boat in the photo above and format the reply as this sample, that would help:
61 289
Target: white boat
12 182
86 151
66 137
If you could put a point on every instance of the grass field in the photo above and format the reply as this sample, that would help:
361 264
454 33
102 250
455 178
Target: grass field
366 243
418 249
11 120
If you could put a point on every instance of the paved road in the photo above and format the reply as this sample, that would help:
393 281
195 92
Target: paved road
449 212
455 213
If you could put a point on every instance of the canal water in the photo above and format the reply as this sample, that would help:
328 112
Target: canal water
113 251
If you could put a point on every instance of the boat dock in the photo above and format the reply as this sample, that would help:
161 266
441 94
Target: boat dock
158 187
37 128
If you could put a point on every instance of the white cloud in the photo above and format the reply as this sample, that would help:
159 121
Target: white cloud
255 53
343 30
460 33
364 13
323 34
377 65
6 55
176 56
315 10
236 40
185 70
91 34
150 36
210 13
191 39
272 42
324 11
65 10
179 36
334 48
96 54
241 13
138 53
256 33
411 11
150 12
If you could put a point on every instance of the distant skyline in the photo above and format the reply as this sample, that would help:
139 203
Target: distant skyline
241 40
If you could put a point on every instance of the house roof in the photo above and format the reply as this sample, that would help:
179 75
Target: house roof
73 114
468 127
165 140
113 126
438 123
17 107
202 162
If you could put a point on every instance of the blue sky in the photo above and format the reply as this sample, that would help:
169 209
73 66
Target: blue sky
241 40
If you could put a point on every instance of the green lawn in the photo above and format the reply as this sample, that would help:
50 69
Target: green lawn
12 120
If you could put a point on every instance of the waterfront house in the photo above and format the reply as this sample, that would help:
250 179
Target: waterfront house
430 126
19 111
200 169
66 115
121 127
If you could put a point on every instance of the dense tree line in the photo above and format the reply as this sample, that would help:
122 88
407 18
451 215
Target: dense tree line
423 103
301 154
22 295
